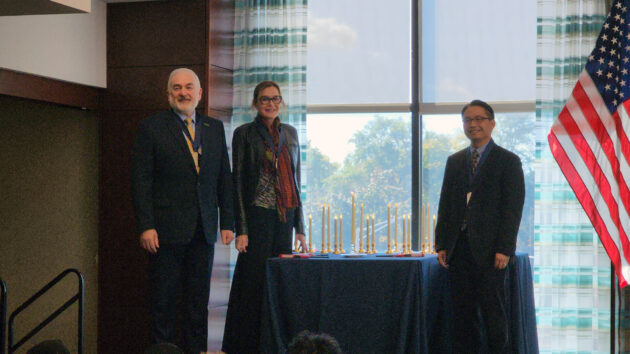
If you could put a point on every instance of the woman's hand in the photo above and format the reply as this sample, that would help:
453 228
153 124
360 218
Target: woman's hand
442 259
302 239
241 243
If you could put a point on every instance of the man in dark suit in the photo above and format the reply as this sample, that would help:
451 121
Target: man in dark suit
478 219
181 182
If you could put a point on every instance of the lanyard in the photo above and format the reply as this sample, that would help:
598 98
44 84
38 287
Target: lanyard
196 143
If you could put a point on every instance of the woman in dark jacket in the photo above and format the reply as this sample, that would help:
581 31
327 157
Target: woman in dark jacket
266 171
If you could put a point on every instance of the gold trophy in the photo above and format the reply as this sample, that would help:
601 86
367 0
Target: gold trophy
361 249
341 250
373 237
389 235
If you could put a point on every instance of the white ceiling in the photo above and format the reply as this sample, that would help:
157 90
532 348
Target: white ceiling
43 7
50 7
113 1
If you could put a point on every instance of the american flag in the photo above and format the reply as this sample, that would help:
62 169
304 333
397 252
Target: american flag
589 139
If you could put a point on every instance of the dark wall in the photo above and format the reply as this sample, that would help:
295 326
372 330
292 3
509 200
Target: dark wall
146 41
48 212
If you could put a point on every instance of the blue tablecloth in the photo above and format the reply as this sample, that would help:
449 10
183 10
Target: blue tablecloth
379 304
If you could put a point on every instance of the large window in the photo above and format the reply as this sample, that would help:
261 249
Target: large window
359 52
478 49
365 154
358 78
360 70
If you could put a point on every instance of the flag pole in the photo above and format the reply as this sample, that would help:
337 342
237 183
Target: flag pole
613 327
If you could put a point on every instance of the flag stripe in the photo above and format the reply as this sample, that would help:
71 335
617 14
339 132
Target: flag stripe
596 121
623 125
581 151
588 166
587 147
602 158
610 124
559 146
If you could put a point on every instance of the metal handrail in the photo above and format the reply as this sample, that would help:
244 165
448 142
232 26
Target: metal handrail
77 297
3 315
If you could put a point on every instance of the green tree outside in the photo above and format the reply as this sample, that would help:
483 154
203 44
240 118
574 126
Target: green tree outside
378 171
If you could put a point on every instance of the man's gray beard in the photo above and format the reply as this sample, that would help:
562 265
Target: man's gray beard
173 104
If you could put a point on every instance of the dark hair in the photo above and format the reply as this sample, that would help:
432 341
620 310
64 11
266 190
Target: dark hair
482 104
311 343
261 86
51 346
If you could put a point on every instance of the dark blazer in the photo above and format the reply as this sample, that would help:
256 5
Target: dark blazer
494 211
248 152
168 194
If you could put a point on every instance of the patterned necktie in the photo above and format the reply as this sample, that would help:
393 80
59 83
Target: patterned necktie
474 161
191 130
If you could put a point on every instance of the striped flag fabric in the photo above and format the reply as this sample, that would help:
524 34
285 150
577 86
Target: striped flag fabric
589 139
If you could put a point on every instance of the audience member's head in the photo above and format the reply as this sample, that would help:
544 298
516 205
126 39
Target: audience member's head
310 343
164 348
49 347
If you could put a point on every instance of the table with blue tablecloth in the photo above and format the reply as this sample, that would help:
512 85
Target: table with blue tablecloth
377 304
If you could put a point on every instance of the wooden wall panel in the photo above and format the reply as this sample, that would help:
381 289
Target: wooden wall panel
143 87
156 33
220 59
222 116
123 307
220 90
146 41
222 39
17 84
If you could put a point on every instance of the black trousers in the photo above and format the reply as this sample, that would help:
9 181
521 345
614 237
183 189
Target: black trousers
477 290
268 237
189 266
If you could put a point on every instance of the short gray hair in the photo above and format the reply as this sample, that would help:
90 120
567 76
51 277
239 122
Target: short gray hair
179 70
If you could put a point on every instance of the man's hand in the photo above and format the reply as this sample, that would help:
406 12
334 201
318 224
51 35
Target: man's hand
149 241
302 240
227 236
442 258
241 243
500 260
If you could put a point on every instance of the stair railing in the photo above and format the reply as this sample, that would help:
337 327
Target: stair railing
78 297
3 316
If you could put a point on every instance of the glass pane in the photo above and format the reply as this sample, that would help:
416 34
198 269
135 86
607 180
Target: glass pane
365 154
478 49
359 52
442 135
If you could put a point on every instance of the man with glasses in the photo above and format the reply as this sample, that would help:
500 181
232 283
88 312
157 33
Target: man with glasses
481 203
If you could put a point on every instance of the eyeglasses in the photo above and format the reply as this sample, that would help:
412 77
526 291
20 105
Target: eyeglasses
274 99
474 119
